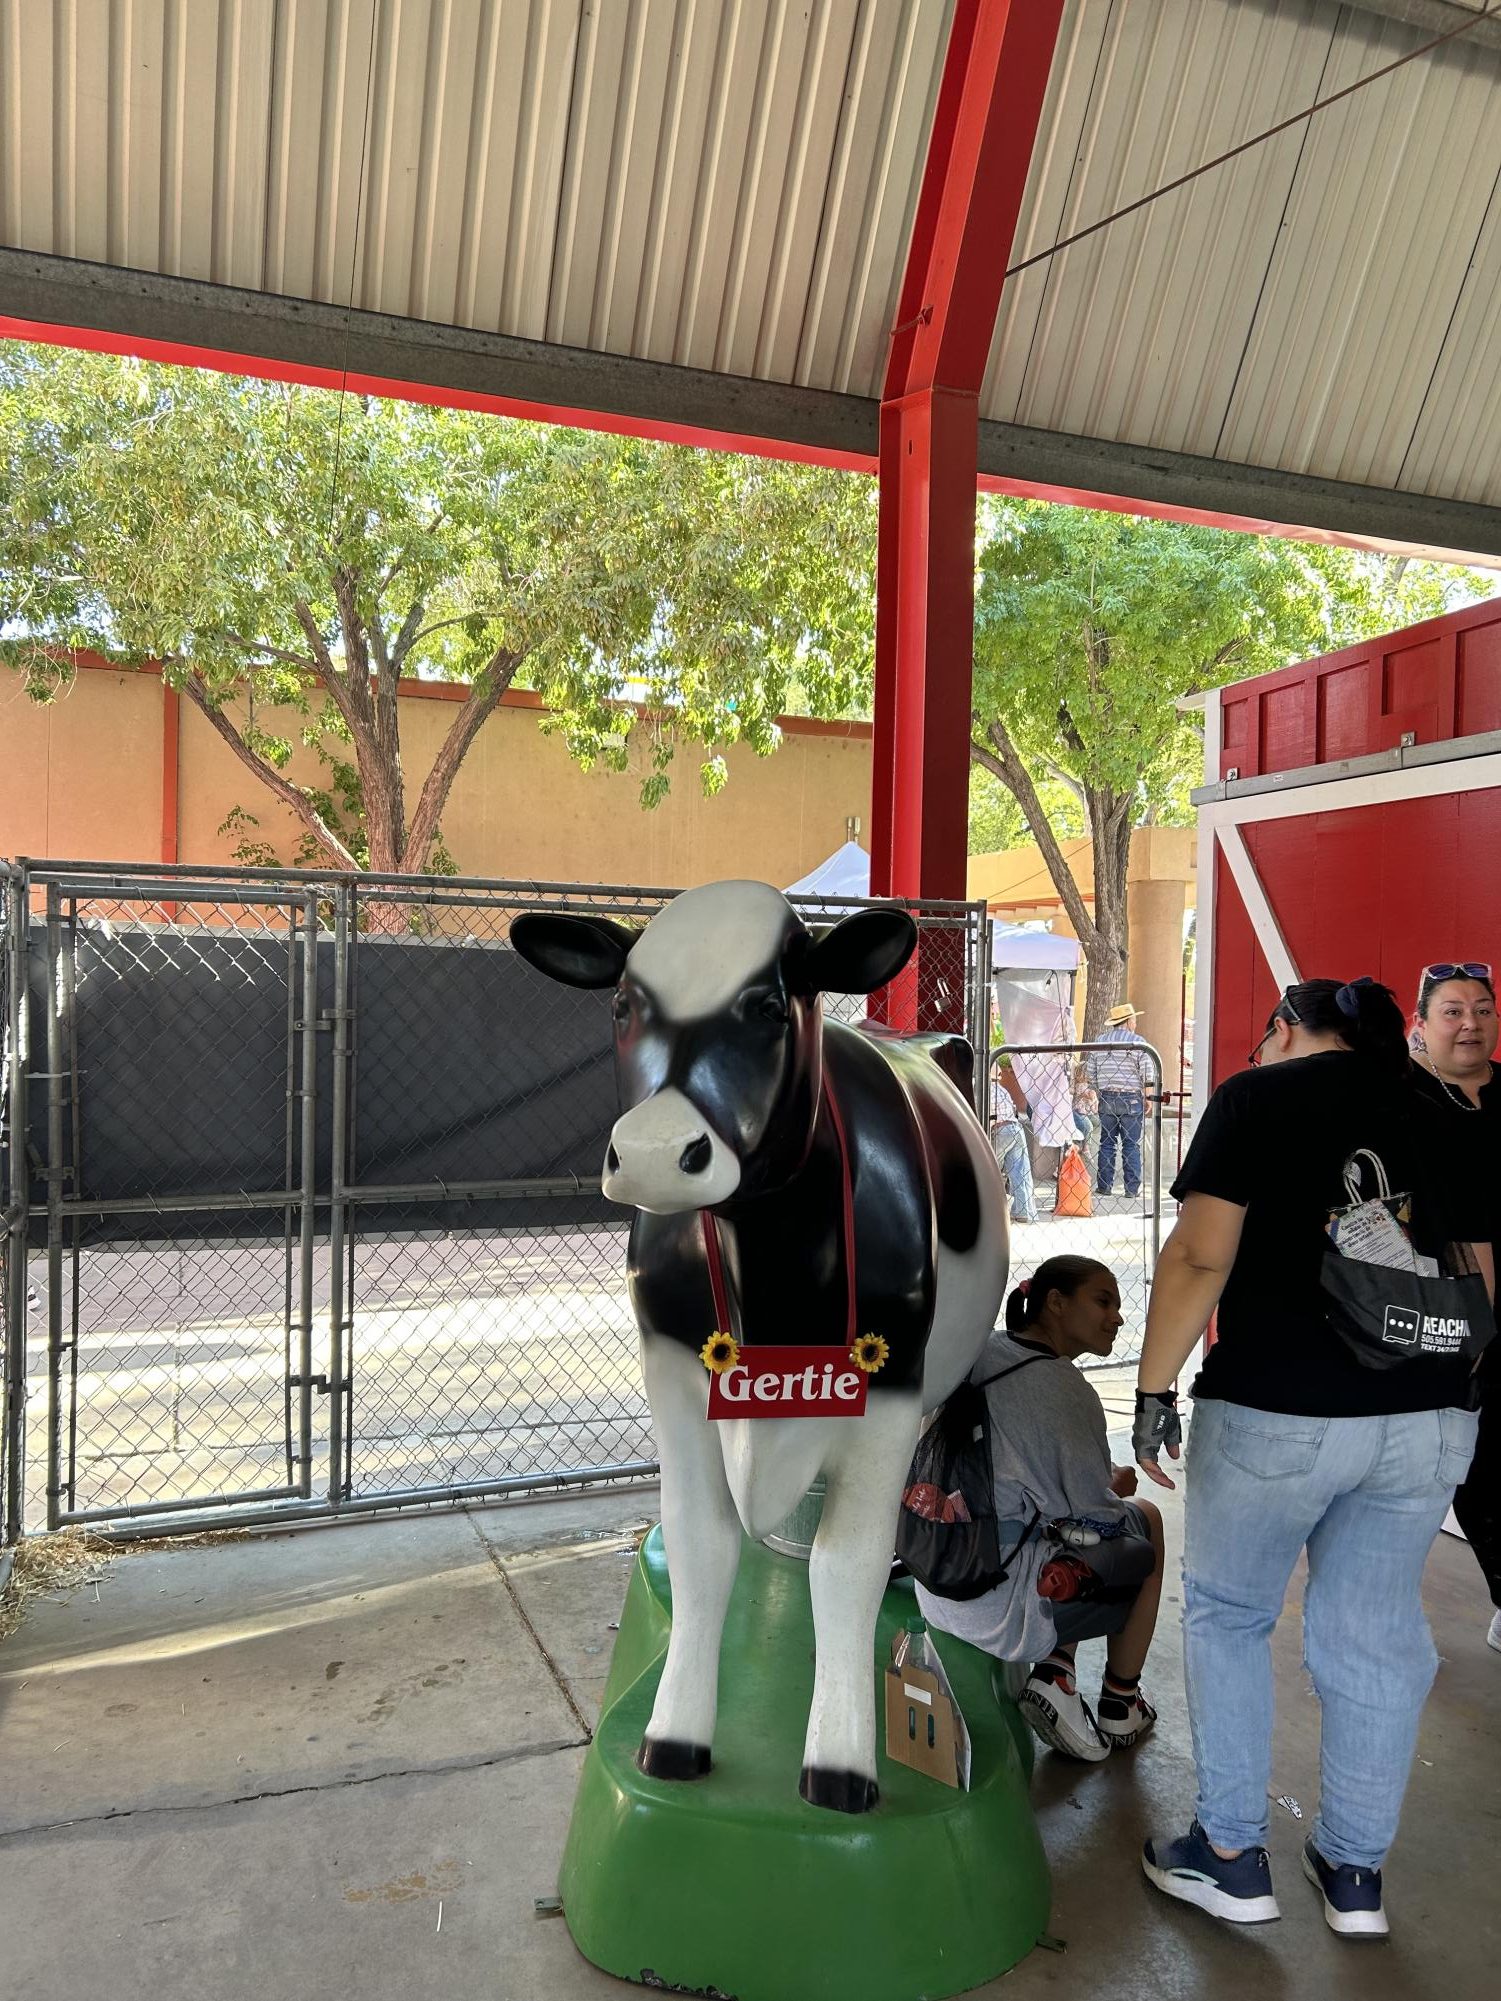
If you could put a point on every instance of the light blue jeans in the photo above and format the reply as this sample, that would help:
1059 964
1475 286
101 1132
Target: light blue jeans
1016 1161
1365 1496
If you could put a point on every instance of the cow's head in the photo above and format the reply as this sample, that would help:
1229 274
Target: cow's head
718 1031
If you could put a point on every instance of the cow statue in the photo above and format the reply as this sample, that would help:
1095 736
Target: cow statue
849 1184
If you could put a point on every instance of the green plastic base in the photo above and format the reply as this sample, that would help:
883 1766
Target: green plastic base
731 1885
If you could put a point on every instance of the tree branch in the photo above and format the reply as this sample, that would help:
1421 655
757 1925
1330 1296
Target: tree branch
303 660
484 700
1065 778
327 673
1003 759
289 795
356 653
412 629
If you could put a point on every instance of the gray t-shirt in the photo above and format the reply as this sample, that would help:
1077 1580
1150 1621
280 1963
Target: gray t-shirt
1050 1453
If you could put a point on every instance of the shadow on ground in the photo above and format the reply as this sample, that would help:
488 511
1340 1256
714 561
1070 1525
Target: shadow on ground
341 1761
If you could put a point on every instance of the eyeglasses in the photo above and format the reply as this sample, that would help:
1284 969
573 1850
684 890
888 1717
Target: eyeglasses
1253 1061
1458 969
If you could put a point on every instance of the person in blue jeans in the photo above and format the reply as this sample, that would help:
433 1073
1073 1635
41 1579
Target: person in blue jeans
1121 1077
1009 1137
1299 1444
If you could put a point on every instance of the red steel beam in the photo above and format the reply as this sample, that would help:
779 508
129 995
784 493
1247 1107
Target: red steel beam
182 354
985 123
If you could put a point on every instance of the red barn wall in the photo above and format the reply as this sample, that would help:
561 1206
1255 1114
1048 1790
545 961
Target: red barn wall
1383 888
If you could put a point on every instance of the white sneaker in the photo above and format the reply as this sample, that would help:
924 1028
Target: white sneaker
1061 1717
1124 1719
1493 1637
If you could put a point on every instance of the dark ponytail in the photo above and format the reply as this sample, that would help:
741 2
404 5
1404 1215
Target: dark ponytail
1362 1013
1065 1274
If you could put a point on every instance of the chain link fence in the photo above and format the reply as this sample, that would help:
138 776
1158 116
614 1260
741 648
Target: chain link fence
1106 1107
302 1198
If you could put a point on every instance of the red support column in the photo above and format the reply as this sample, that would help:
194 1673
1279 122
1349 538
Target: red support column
989 103
924 641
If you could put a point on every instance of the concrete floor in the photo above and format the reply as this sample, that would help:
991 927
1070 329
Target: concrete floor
340 1762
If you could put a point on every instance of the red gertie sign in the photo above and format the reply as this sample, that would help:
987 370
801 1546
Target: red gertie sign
790 1382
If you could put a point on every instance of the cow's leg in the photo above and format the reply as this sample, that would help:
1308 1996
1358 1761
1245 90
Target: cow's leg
701 1532
848 1572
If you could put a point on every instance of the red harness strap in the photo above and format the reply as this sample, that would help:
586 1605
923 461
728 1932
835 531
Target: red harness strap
715 1255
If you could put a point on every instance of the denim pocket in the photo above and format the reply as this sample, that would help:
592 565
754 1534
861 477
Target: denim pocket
1456 1444
1270 1446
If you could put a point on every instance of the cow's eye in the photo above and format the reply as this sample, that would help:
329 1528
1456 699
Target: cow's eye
620 1007
771 1007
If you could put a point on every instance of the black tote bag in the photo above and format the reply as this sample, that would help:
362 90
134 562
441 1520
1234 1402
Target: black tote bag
1387 1314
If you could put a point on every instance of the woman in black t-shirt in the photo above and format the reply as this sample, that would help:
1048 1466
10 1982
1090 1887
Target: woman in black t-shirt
1296 1444
1457 1038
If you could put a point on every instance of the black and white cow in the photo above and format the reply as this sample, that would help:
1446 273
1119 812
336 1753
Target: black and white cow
726 1067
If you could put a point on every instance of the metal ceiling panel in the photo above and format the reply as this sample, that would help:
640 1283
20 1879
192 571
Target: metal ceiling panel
1389 199
729 185
726 184
1301 307
1137 332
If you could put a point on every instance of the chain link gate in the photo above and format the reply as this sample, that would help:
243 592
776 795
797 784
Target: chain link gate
1121 1231
303 1214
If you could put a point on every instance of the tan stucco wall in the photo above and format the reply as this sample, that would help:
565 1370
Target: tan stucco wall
83 777
80 777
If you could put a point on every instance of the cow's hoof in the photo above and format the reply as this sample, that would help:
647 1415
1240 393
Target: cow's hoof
670 1758
844 1792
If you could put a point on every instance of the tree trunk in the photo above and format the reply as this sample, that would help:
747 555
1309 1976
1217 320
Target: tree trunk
1103 935
1108 955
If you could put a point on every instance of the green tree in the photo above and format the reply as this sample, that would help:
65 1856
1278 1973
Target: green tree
1091 629
301 551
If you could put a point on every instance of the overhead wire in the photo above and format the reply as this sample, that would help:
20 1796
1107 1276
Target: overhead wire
1487 13
354 259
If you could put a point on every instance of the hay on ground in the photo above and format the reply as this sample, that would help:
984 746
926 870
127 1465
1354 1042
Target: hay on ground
49 1563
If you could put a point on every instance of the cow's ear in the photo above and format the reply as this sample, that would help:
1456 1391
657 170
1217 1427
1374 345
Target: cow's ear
859 953
577 950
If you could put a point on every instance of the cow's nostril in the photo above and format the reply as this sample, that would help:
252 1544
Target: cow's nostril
612 1161
696 1155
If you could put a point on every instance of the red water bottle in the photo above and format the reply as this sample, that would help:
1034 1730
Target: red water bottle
1064 1578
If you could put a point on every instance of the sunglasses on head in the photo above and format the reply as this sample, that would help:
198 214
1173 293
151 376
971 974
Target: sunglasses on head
1456 969
1283 1011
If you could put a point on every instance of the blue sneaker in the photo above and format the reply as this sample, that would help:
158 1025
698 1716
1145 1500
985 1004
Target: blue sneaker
1189 1869
1352 1897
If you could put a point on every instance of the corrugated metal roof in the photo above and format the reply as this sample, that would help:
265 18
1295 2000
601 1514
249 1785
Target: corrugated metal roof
730 184
1320 305
723 183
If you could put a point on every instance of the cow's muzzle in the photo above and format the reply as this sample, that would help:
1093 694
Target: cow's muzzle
663 1157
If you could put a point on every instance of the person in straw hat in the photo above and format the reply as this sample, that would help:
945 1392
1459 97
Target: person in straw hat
1120 1075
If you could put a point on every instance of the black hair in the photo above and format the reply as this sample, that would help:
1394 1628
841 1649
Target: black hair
1061 1274
1362 1013
1429 988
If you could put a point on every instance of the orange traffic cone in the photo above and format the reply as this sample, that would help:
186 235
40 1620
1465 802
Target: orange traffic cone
1074 1195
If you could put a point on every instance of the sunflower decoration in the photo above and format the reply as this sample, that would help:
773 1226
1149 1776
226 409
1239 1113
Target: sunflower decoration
720 1352
869 1353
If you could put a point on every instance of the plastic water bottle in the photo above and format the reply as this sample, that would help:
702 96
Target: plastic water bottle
912 1647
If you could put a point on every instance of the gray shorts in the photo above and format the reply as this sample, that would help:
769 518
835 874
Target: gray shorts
1094 1618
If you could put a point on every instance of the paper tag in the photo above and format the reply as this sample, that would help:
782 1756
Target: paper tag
1371 1234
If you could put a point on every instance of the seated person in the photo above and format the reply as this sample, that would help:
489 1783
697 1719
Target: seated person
1051 1463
